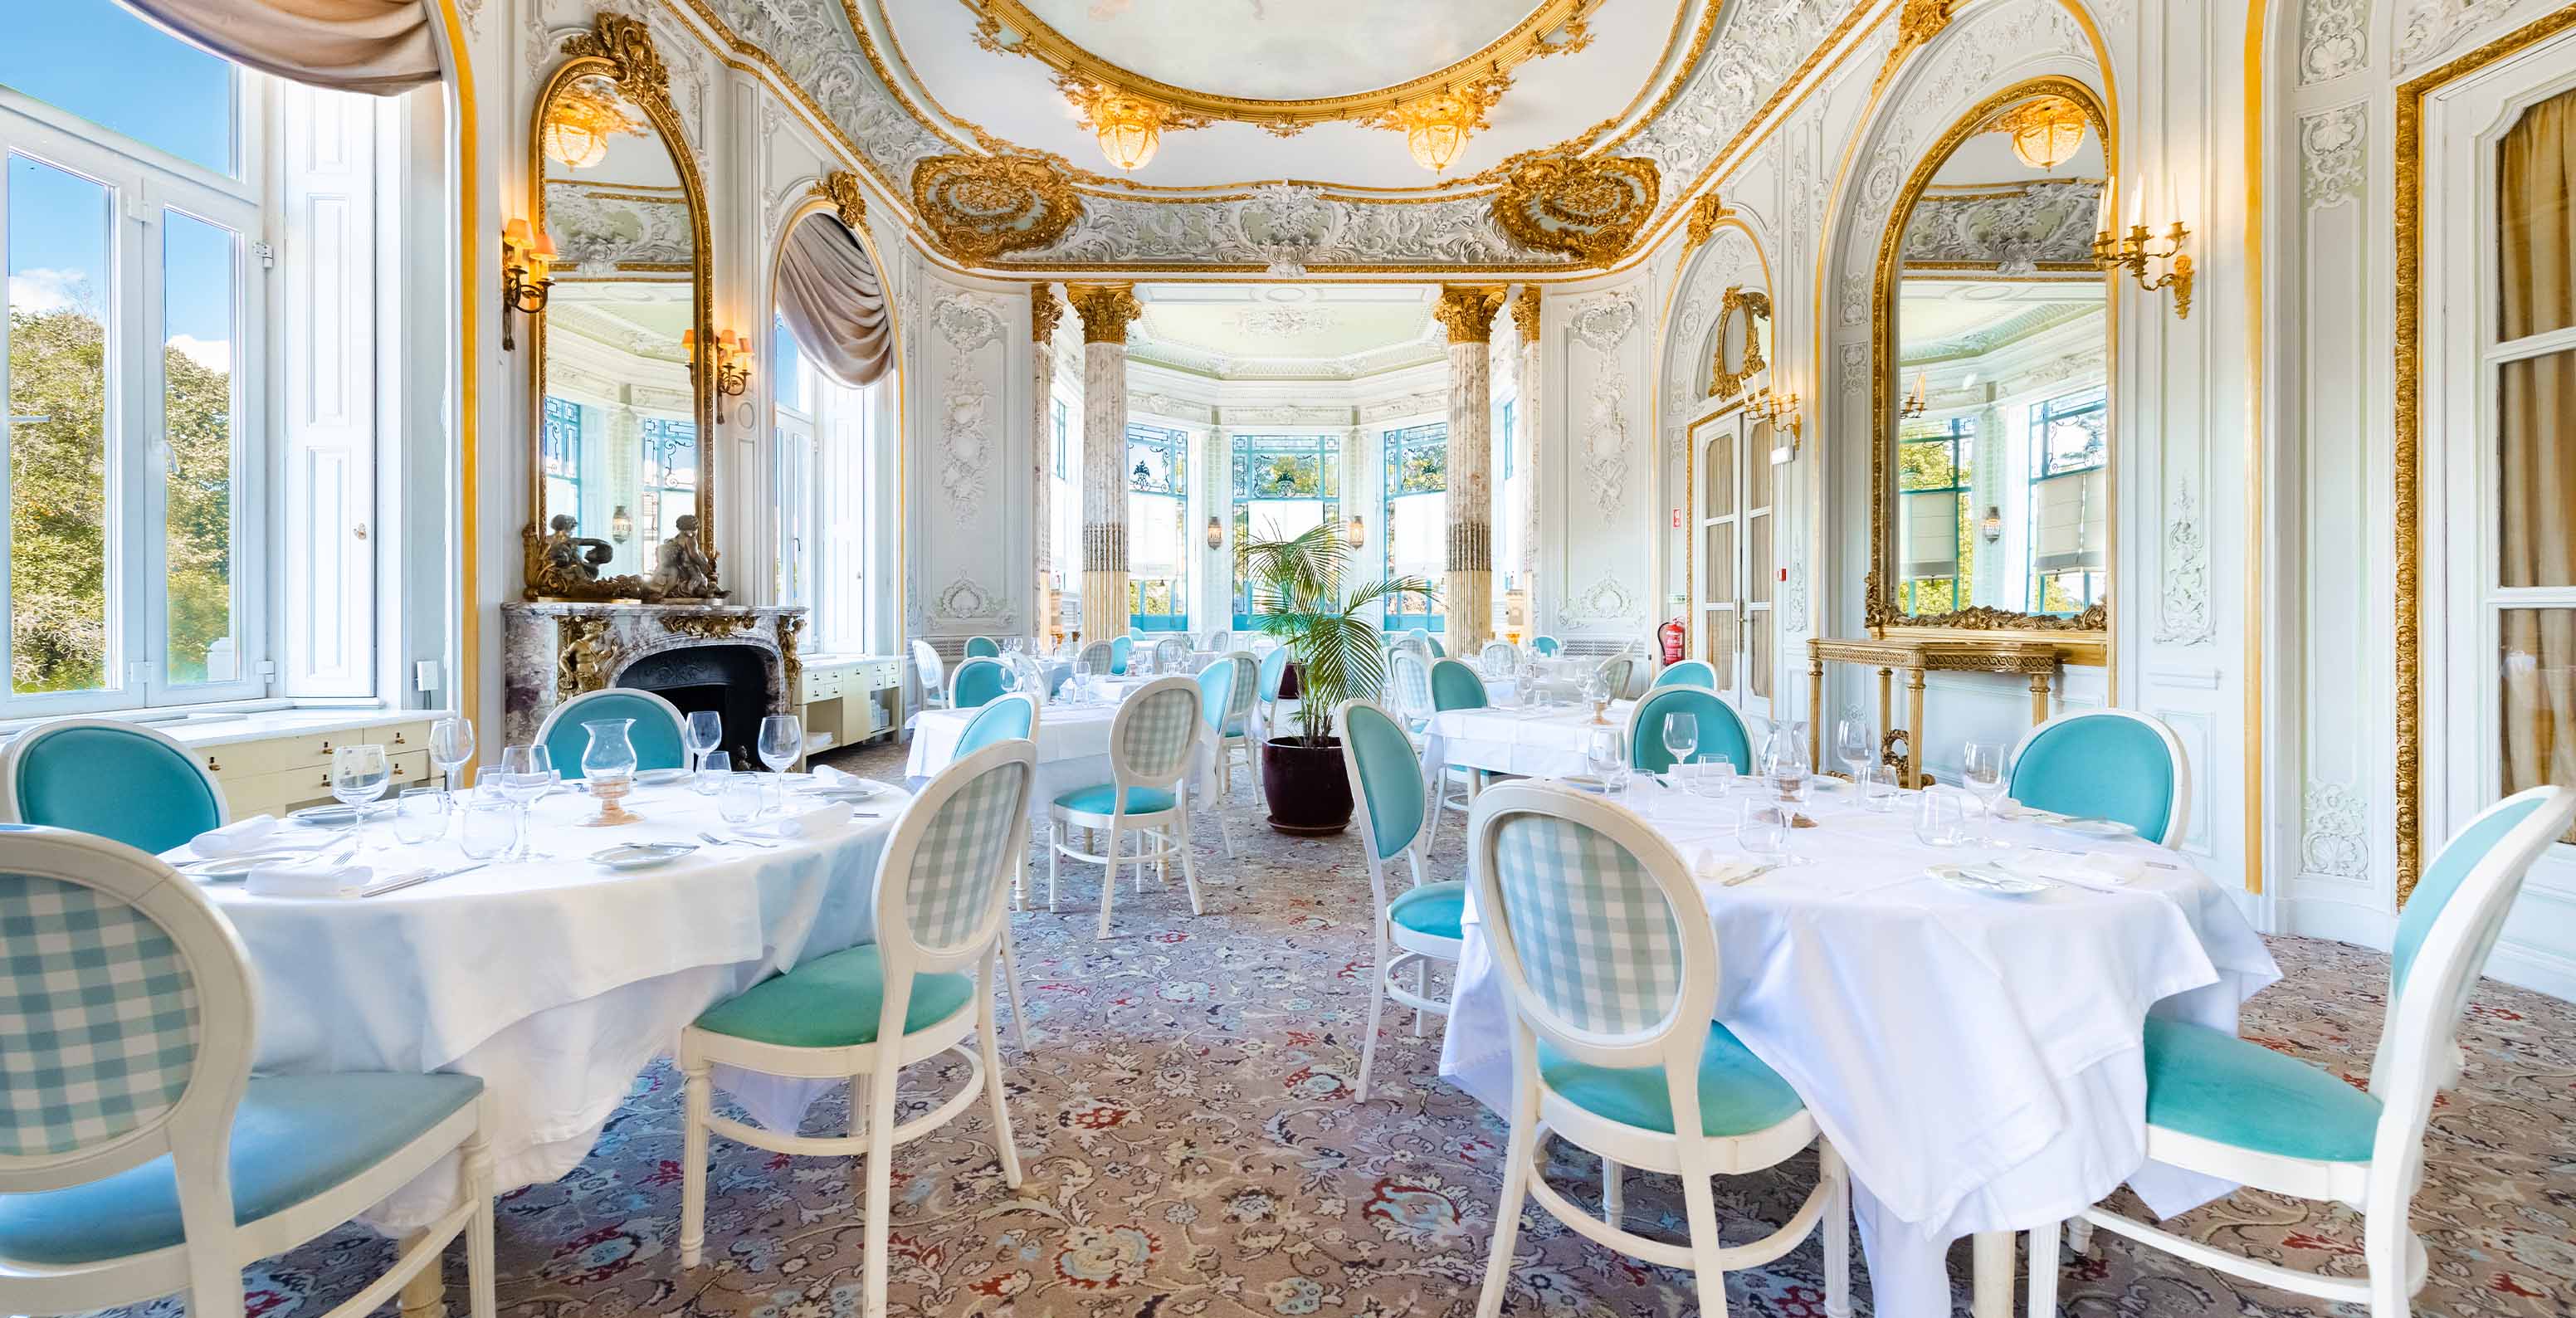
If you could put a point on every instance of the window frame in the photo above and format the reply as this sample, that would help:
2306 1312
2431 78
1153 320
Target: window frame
1960 436
2044 415
1395 445
1174 445
1324 447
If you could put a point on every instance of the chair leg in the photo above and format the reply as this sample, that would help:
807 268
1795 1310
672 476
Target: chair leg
1518 1153
1377 1008
1439 788
2079 1236
1838 1229
2385 1237
1163 856
481 1297
1189 861
1011 983
1055 859
1699 1203
1421 989
1108 879
698 1102
1614 1192
2043 1271
880 1201
993 1084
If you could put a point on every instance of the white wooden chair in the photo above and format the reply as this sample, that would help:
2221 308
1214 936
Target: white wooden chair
1422 923
143 1159
1233 734
1609 970
932 674
2233 1109
1151 743
864 1013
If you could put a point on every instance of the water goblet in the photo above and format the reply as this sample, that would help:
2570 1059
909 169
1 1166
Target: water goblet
782 741
1982 772
1606 750
420 815
527 772
704 731
1681 737
359 774
1852 742
451 744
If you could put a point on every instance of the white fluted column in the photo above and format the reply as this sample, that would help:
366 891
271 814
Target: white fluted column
1467 596
1106 310
1044 312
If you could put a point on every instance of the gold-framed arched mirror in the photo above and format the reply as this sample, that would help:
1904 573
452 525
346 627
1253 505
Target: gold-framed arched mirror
1991 469
1743 334
621 482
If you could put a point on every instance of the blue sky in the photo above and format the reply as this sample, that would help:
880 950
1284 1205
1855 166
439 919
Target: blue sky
95 59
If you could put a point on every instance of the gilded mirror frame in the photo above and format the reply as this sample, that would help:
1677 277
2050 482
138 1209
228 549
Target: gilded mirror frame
2082 638
1741 314
620 49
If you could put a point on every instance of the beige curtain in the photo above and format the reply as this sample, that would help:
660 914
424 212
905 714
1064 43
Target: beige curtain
830 298
376 46
2537 443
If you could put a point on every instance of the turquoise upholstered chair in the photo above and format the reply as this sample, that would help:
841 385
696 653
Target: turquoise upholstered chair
118 780
1546 647
1610 972
1274 676
139 1157
1151 742
2107 764
1234 736
657 733
1455 685
1393 810
1689 672
1012 717
1722 732
983 647
1119 649
1218 683
975 684
2236 1110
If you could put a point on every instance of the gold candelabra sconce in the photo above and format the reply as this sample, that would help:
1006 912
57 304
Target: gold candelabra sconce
527 263
732 359
1780 412
2136 251
1917 400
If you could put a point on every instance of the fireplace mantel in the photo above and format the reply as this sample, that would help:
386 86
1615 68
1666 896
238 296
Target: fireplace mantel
554 650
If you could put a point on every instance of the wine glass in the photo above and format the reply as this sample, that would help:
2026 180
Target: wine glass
451 744
359 774
704 731
527 772
1606 749
1982 770
1784 762
1852 744
1681 737
782 740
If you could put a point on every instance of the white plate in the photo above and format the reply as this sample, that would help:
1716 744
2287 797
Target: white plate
336 815
2095 828
641 855
233 869
1987 879
652 777
861 790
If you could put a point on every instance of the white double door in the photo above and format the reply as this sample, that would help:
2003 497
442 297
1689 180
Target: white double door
1734 569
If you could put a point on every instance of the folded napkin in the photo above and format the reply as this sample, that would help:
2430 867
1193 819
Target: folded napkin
257 833
829 779
817 822
1708 868
312 876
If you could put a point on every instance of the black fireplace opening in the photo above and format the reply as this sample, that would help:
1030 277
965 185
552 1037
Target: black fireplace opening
731 680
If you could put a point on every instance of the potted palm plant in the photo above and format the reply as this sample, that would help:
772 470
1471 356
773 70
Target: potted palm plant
1298 596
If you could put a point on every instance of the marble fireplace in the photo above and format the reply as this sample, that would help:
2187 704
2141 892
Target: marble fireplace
740 662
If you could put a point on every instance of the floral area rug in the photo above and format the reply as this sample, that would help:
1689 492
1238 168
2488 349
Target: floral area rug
1186 1120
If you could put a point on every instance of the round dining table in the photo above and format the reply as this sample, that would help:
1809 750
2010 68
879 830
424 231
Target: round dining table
556 979
1072 741
1976 1058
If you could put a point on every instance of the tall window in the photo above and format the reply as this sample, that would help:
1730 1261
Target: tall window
792 422
829 439
1158 571
1935 468
1064 501
2068 507
136 572
1417 518
1284 486
1507 522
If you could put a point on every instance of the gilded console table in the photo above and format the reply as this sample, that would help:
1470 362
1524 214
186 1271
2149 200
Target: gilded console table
1915 656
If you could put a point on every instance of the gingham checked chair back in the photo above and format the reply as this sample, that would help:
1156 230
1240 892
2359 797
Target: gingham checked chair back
1172 654
1617 671
1412 680
1247 688
956 848
1155 729
120 989
1595 938
1220 641
1498 657
1101 653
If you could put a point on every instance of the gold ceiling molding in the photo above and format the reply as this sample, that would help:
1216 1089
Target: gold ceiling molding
1916 24
1468 310
1586 207
636 66
1044 313
1106 310
841 188
1705 211
1525 313
1554 27
980 207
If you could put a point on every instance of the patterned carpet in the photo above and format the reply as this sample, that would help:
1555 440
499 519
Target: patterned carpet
1192 1149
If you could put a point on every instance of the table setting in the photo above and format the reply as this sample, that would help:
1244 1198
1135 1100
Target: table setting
1956 986
505 931
1072 739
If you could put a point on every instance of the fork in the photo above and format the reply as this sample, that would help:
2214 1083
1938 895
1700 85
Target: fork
740 841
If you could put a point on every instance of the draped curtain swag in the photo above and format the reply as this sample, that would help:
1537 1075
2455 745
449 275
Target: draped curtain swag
380 47
830 298
2537 456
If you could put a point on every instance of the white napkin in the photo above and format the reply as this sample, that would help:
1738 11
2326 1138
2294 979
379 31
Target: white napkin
313 876
257 833
1707 868
830 779
817 822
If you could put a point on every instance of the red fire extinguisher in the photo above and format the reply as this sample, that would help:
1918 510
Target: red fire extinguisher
1671 634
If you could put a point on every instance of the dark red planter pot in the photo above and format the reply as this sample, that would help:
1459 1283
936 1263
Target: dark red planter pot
1309 794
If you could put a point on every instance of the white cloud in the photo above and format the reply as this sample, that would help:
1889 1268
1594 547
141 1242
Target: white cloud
213 354
45 288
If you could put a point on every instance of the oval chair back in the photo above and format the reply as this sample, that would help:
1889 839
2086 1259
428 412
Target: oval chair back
1012 717
1618 671
1102 653
1409 677
135 784
977 683
1722 731
657 733
1155 731
983 647
1172 654
1454 685
130 1026
1546 647
933 674
1689 672
1386 783
1240 697
1030 676
1216 691
1274 675
1601 937
1498 657
1221 641
944 880
1119 649
2107 764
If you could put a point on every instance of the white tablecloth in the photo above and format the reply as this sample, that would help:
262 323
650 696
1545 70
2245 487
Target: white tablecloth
555 980
1976 1059
1073 749
1532 743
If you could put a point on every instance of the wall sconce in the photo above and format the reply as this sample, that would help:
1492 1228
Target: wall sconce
733 362
621 525
1992 528
525 262
1356 535
2134 253
1916 400
1215 534
1781 414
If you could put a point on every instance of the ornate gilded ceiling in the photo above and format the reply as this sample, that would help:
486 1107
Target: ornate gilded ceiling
1586 148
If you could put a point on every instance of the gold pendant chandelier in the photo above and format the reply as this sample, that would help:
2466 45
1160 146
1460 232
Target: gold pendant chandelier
1436 127
2045 133
580 122
1130 127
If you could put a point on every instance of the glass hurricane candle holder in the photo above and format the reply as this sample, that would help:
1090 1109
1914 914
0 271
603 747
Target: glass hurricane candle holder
608 765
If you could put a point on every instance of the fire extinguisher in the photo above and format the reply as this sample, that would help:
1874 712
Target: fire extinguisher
1671 634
